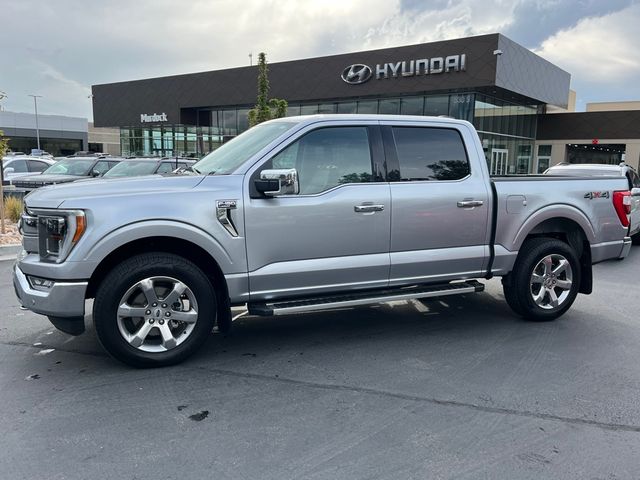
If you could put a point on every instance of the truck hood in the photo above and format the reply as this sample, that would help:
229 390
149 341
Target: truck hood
55 195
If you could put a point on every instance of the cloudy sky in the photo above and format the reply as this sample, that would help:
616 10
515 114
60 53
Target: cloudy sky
59 48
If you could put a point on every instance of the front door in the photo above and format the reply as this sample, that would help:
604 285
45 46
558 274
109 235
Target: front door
334 234
440 205
499 161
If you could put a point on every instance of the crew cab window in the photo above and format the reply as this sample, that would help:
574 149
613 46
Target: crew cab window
426 153
37 166
326 158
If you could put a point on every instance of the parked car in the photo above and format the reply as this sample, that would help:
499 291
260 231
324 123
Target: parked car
599 170
68 170
310 213
16 166
135 167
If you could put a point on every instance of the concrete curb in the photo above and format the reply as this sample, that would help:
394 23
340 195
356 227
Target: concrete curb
10 249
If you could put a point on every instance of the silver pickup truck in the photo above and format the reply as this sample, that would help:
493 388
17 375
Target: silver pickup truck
310 213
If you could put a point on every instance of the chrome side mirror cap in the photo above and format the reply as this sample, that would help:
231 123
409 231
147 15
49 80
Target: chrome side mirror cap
276 182
635 192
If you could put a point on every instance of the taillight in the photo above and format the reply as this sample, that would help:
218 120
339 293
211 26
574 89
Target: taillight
622 204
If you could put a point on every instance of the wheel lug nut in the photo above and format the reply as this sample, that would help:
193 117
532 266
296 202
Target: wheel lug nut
168 314
161 322
148 312
154 304
164 305
151 320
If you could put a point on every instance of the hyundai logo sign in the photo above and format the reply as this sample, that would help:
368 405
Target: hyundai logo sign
357 73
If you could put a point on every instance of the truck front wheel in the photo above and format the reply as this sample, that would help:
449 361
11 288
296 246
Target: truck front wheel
154 309
545 279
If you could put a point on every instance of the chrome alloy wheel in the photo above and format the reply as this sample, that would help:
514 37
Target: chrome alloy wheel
157 314
551 281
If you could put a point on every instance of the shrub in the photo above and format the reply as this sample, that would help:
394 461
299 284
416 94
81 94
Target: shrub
13 208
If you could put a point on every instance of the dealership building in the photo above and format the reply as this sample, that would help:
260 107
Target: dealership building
519 102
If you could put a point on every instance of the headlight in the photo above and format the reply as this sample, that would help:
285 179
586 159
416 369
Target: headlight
58 232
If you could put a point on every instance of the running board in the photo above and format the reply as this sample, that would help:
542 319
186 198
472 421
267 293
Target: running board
362 298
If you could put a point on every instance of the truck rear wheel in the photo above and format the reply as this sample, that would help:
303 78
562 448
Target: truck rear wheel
545 280
154 309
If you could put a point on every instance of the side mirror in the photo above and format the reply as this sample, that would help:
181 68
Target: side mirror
95 173
635 192
273 183
9 170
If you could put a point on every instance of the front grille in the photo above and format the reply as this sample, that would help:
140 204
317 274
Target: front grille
25 184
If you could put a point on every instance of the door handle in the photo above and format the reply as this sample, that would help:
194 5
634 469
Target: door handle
470 203
368 208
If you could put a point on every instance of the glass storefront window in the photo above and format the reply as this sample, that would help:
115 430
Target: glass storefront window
229 122
308 109
436 105
327 108
461 106
347 107
389 106
243 119
412 106
368 106
293 110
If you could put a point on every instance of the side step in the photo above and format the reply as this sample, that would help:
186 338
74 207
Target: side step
362 298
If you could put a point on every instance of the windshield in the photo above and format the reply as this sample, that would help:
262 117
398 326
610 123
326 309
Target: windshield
132 169
231 155
71 166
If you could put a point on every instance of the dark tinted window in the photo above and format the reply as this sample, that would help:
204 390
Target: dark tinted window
37 166
101 167
327 157
166 167
430 154
19 166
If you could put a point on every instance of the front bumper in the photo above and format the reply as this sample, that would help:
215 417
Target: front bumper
63 299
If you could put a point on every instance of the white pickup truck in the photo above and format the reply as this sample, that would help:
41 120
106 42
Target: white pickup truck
309 213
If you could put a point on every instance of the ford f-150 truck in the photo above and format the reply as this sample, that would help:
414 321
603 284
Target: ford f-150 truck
310 213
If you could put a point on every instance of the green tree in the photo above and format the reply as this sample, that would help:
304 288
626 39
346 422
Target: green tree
4 146
265 108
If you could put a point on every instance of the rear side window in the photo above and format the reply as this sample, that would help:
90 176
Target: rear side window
19 166
37 166
426 153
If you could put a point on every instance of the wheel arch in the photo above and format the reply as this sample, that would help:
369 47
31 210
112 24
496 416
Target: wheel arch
177 246
573 232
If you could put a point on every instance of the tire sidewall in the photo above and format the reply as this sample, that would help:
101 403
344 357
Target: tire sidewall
130 272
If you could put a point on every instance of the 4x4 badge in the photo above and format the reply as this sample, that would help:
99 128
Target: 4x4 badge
592 195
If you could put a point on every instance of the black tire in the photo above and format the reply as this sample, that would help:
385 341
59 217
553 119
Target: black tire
135 269
519 289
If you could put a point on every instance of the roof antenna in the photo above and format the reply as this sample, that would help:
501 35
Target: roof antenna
250 59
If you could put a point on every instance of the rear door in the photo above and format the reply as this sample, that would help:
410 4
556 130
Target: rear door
440 204
334 234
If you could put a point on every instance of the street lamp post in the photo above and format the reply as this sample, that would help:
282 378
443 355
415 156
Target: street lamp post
35 104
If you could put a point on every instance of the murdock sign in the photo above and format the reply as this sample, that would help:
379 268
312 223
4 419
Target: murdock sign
153 118
359 73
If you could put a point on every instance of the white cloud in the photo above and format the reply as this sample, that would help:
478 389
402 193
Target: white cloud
600 53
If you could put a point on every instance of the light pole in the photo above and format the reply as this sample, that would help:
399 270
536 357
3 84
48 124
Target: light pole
2 97
35 104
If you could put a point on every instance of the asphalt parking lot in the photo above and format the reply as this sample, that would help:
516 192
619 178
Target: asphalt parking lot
458 388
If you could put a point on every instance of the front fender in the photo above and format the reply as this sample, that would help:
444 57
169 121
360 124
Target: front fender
157 228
